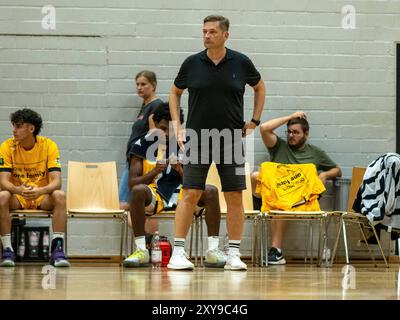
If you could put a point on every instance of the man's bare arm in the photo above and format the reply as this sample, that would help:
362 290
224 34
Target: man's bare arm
267 128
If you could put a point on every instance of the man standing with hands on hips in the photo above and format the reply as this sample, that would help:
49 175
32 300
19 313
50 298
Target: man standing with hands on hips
215 79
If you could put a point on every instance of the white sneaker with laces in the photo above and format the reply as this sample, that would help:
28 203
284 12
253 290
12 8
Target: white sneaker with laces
234 263
180 261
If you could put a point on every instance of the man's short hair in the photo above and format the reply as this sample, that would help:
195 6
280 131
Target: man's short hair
223 22
27 116
162 113
303 122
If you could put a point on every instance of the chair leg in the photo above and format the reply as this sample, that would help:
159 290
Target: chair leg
380 247
346 248
366 242
311 243
319 254
389 246
326 251
201 239
122 240
258 243
264 241
307 241
66 239
254 242
126 237
133 244
191 239
337 240
196 239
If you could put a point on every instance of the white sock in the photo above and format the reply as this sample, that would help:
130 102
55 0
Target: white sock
213 242
6 241
179 245
234 246
141 242
58 235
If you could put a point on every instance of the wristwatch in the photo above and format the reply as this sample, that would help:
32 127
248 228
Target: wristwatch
257 122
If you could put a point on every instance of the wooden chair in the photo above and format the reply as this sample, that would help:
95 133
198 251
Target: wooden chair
92 193
353 217
310 216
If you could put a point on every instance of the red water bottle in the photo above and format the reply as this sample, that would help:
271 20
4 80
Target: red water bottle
166 249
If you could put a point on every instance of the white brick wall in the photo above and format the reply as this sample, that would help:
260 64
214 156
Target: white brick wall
80 76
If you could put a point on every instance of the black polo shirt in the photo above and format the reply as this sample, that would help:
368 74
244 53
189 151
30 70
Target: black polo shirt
216 91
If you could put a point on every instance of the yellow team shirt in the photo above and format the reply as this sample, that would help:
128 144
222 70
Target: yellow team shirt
30 167
161 203
166 186
289 187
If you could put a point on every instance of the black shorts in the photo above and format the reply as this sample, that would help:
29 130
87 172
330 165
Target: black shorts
232 176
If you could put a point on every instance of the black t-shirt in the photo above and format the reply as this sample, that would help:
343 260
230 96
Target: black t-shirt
141 125
216 91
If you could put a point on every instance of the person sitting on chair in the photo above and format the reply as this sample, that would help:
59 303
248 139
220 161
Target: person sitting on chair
295 150
155 184
30 178
146 85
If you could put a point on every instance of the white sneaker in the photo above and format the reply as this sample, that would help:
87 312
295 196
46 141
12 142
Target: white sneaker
234 263
215 258
180 261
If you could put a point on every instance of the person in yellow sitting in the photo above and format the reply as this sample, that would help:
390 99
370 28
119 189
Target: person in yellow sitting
155 181
295 150
30 178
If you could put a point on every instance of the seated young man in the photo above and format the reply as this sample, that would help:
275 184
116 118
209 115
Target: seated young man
295 150
30 178
156 185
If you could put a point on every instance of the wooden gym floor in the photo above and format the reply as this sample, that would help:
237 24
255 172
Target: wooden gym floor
289 282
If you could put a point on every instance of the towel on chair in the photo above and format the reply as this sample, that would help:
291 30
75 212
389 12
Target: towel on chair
378 195
289 187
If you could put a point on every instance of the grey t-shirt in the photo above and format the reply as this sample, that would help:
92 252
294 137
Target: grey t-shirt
282 153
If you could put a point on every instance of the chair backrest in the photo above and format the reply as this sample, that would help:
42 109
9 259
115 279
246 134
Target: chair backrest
214 179
92 186
356 180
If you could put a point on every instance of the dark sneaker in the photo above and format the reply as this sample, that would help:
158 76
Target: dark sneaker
275 257
7 258
370 240
58 258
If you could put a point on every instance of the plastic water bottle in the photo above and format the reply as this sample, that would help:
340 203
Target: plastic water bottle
156 255
33 244
21 247
46 244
